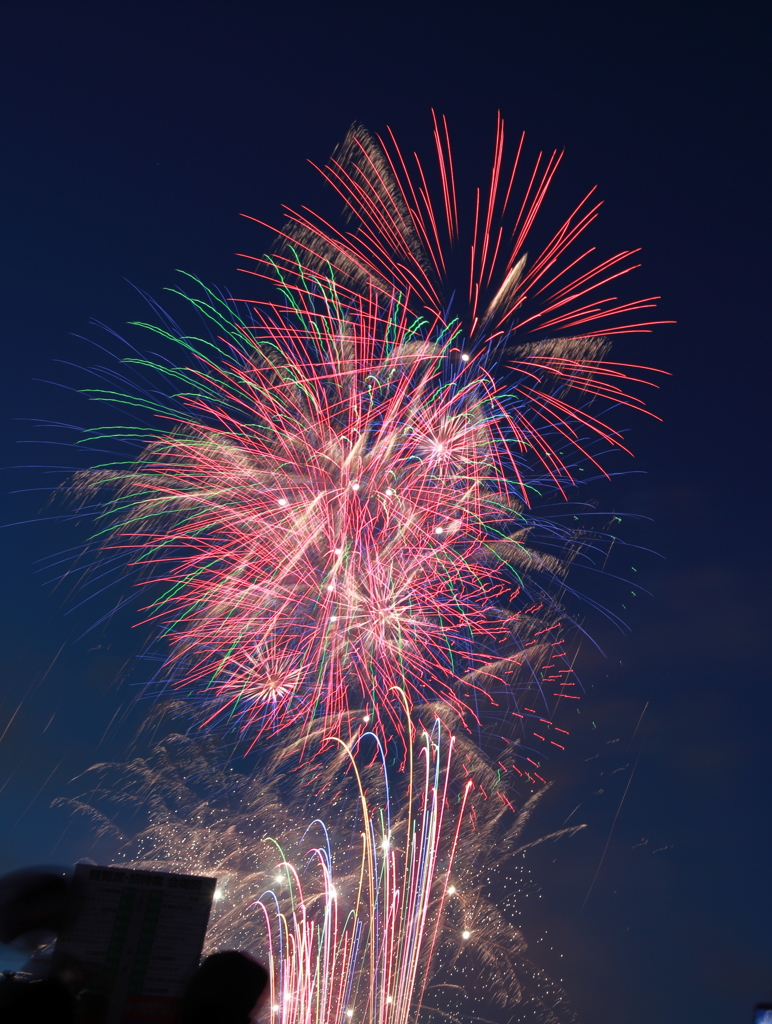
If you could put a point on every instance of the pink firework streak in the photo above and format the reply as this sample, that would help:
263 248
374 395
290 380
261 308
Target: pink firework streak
402 239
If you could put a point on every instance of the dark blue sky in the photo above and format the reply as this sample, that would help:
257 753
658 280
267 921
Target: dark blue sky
133 136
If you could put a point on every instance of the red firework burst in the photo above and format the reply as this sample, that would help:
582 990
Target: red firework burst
337 496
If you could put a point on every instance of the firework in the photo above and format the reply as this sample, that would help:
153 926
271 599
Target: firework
338 502
357 892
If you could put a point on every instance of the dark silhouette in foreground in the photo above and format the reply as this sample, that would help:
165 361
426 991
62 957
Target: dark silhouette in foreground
42 1001
37 903
225 990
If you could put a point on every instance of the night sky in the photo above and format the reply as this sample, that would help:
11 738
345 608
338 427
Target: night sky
133 136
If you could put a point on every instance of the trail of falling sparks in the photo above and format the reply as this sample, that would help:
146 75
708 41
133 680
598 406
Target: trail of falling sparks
367 957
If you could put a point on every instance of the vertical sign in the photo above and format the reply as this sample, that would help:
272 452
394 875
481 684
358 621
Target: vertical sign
137 940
